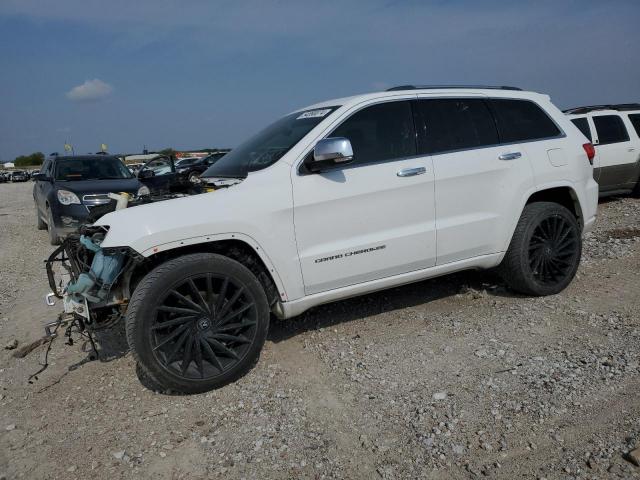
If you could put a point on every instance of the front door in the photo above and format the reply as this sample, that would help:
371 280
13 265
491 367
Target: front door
373 218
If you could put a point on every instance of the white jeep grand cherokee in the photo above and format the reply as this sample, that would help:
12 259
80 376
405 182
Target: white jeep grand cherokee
339 199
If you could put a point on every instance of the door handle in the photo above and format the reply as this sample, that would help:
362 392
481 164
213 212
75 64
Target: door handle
510 156
410 172
631 149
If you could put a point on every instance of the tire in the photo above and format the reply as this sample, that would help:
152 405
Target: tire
51 229
197 322
544 253
39 223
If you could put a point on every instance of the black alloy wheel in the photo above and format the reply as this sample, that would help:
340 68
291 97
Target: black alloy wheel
197 322
552 250
545 250
203 326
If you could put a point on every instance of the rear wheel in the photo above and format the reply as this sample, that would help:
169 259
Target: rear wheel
39 222
197 322
51 228
545 250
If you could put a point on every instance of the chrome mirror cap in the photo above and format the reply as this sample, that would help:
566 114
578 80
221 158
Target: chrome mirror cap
336 149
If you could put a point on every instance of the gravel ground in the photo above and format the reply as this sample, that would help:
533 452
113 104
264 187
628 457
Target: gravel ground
450 378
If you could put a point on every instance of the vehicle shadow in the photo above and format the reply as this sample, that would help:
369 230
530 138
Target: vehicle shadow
472 282
111 343
611 199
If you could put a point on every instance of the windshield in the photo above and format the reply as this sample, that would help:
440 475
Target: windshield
268 146
102 168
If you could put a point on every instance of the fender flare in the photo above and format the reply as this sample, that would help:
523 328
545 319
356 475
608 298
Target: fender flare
213 238
535 189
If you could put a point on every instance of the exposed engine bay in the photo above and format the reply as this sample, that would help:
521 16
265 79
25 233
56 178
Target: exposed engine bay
94 283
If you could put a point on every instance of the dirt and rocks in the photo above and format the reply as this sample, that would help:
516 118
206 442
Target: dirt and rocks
455 377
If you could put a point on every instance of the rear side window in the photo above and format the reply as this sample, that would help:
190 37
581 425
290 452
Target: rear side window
610 129
635 120
583 126
522 120
454 124
380 132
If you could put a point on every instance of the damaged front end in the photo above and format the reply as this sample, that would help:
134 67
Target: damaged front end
93 282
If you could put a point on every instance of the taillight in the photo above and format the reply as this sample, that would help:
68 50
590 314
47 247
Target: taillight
590 151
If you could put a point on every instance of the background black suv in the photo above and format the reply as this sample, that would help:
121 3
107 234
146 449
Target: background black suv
191 168
67 188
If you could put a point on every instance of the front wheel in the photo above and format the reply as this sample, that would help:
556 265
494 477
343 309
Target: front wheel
39 222
544 253
197 322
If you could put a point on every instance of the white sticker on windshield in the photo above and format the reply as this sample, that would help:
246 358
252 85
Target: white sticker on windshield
314 113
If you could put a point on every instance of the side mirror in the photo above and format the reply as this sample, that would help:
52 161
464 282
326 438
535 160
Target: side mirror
145 173
330 153
40 177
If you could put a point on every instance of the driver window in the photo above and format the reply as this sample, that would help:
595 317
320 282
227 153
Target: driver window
380 132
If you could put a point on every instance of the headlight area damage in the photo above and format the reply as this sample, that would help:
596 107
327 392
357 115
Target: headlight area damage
93 282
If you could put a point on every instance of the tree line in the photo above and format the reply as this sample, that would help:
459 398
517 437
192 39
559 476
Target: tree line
33 160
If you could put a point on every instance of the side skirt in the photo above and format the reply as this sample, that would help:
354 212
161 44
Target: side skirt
296 307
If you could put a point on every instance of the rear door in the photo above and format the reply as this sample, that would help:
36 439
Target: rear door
373 218
477 180
618 155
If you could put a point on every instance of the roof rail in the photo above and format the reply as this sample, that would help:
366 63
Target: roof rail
433 87
591 108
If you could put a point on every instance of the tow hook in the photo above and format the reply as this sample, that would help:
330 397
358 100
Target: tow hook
49 299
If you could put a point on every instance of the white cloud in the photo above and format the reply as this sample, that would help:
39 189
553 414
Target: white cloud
89 91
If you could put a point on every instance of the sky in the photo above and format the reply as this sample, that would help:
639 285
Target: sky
197 73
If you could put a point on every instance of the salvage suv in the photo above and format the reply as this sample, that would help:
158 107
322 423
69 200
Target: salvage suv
335 200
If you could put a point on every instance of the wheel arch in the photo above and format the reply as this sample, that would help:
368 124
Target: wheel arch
234 246
561 193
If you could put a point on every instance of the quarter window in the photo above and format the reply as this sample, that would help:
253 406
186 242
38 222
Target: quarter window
635 120
46 167
583 126
522 120
454 124
380 132
610 129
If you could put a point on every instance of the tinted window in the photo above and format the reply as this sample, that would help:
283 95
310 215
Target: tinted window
583 125
380 132
610 129
522 120
635 120
454 124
